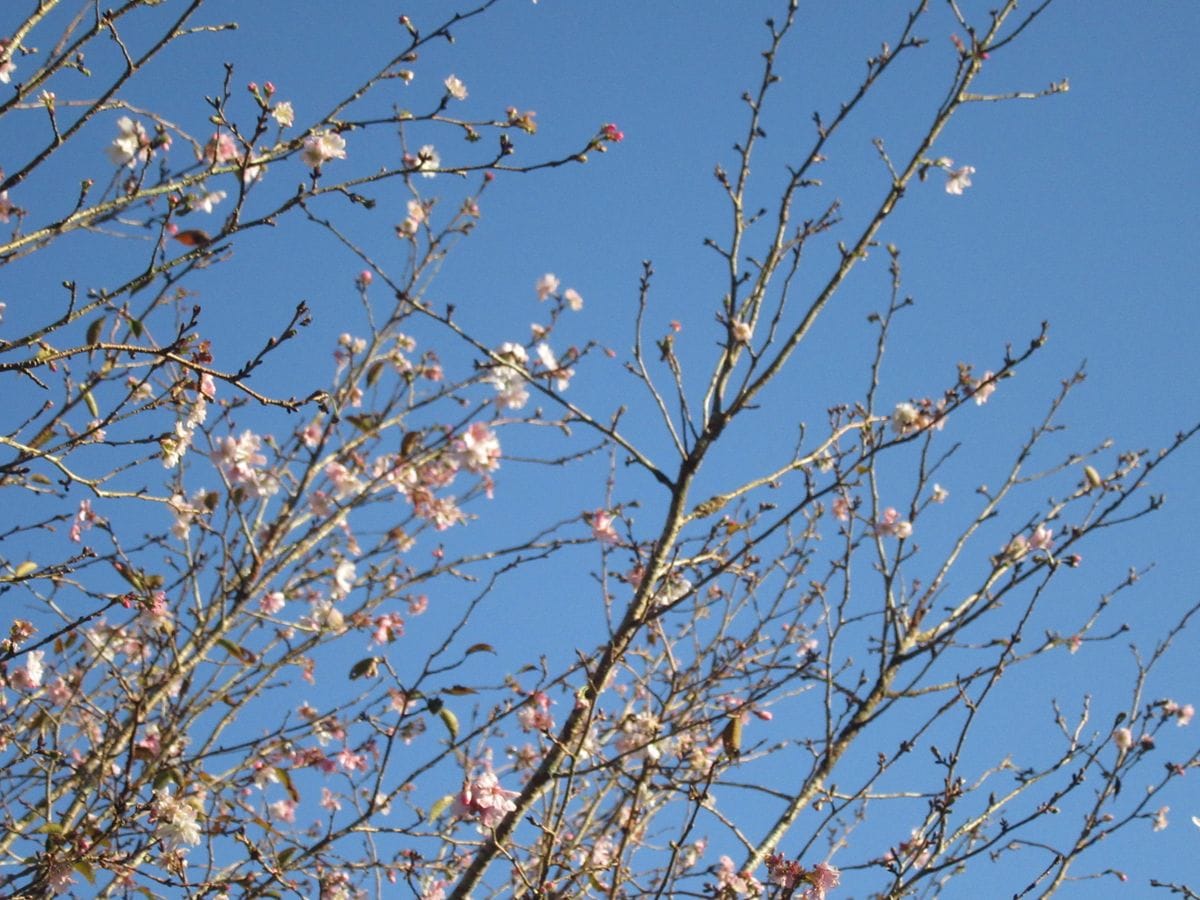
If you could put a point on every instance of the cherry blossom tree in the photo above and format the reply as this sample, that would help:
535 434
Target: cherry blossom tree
262 607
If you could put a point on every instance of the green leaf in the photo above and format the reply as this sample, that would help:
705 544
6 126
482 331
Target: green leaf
42 436
239 653
457 690
375 370
84 868
286 779
451 721
94 330
92 406
480 648
436 811
366 422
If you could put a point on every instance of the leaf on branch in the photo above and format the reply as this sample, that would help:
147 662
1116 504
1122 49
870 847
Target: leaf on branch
368 667
93 407
436 811
365 422
94 330
84 868
374 371
731 737
457 690
480 648
193 237
42 436
451 721
241 654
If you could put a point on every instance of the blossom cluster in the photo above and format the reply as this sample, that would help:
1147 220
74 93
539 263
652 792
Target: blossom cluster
242 464
133 144
789 874
891 524
322 146
483 799
1042 539
176 820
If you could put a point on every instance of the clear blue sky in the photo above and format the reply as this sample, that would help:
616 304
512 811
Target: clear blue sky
1082 213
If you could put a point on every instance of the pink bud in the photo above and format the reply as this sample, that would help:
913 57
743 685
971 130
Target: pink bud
269 87
610 132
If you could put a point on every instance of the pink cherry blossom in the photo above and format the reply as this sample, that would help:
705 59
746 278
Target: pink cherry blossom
131 145
610 132
562 375
841 509
29 676
343 579
1184 713
427 161
1160 818
602 528
1123 738
729 878
7 66
284 810
176 820
824 878
984 388
546 286
272 602
478 450
221 148
388 627
786 873
321 147
511 392
1042 538
906 419
891 524
329 800
535 715
239 459
84 520
206 202
351 761
484 799
958 180
283 114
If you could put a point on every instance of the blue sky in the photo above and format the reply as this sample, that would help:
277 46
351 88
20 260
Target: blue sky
1082 213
